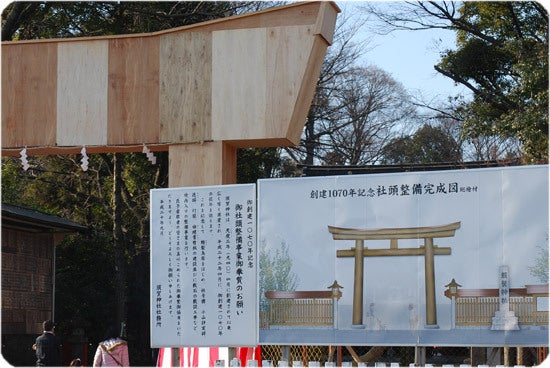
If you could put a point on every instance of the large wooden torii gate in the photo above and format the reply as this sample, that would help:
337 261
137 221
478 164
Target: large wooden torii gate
199 92
428 250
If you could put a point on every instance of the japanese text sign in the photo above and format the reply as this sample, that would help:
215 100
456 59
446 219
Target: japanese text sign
203 266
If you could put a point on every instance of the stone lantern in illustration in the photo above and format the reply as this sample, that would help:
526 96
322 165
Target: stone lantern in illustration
336 295
452 292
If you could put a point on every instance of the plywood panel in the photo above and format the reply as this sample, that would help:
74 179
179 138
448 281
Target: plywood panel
82 93
185 87
288 51
238 84
133 94
29 80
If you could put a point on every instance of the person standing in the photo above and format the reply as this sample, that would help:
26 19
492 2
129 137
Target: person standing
48 353
113 351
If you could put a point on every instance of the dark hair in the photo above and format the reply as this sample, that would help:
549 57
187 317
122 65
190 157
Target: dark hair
112 332
48 325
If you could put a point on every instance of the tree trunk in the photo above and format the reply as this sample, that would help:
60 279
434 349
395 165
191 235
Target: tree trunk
309 139
15 17
118 238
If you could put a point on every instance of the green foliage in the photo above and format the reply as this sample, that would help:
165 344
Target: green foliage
502 57
11 169
540 269
78 19
257 163
84 283
428 145
262 163
275 272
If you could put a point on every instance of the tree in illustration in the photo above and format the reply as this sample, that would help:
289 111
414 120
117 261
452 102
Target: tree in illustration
275 271
540 269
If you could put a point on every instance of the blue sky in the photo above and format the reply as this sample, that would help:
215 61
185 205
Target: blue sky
409 56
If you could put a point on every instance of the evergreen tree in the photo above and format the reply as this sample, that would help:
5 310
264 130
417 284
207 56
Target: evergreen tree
501 57
427 145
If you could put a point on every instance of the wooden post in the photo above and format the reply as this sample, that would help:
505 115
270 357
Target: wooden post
331 351
420 356
542 353
519 355
357 321
507 356
209 163
429 276
187 167
176 358
285 353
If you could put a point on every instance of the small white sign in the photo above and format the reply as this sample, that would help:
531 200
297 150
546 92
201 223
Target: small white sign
203 266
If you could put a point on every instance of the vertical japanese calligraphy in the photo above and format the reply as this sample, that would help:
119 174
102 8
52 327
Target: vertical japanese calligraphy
203 266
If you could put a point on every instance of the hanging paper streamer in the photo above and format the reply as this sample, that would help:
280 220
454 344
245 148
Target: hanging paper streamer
23 159
84 160
150 156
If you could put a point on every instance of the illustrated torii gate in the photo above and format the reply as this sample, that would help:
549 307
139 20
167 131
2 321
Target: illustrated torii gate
428 250
199 91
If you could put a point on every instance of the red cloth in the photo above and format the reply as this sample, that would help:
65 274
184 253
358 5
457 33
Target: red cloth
246 353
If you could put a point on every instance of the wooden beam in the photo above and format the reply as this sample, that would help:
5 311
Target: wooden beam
306 294
442 231
353 354
247 80
392 252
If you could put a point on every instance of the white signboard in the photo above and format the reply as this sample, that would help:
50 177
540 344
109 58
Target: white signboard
415 232
203 266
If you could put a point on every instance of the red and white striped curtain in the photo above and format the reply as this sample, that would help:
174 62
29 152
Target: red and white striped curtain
191 357
245 354
206 357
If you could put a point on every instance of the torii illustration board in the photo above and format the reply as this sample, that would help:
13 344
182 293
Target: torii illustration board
415 255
